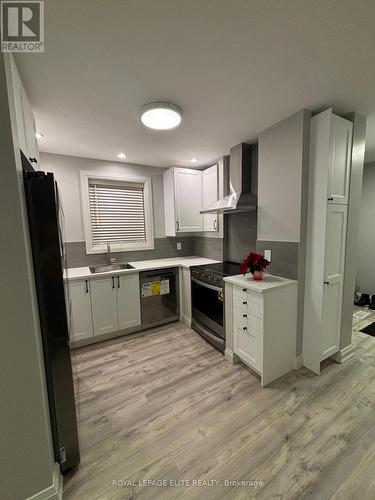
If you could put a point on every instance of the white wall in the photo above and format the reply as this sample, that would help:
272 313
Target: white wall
280 176
366 241
67 174
26 458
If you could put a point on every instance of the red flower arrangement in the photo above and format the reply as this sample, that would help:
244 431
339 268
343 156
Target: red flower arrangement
255 263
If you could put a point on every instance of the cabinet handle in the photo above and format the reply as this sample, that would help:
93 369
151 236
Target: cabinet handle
113 282
215 226
87 286
244 315
177 225
33 159
244 289
118 281
330 199
244 303
326 282
244 328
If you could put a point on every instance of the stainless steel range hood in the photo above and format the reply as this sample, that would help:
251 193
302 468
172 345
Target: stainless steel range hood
240 179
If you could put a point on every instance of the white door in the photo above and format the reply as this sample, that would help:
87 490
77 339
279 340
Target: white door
80 310
128 300
210 189
104 304
188 192
333 278
340 160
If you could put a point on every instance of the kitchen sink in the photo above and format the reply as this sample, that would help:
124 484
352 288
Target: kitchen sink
106 268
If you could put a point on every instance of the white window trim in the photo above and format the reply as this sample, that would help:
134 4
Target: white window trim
149 217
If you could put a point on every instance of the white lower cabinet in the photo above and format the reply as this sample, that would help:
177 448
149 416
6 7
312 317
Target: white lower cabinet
104 305
185 296
80 310
128 297
261 325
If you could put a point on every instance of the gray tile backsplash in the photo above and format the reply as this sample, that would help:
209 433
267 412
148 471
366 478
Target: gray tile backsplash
284 257
240 235
210 248
164 248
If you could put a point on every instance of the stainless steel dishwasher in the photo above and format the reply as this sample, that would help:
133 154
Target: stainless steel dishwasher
159 296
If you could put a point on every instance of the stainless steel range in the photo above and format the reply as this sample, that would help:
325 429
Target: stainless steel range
207 297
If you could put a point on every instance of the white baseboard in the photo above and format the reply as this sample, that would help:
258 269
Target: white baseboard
53 492
344 355
298 362
231 357
186 320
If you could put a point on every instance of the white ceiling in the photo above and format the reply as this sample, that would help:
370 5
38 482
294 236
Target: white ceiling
235 67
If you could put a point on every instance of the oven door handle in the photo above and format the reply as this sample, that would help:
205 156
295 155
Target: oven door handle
211 335
211 287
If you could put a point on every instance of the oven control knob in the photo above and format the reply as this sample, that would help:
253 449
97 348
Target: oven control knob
210 278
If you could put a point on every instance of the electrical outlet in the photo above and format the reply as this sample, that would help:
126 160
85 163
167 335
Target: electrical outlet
179 246
268 255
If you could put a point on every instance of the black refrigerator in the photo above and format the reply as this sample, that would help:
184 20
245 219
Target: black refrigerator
45 218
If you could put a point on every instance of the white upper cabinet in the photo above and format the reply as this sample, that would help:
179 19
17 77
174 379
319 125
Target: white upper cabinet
128 301
25 120
210 196
339 160
80 307
182 201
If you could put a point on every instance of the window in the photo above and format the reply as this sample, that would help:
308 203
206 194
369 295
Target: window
118 211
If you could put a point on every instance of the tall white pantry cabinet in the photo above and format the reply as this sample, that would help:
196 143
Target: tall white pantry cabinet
329 178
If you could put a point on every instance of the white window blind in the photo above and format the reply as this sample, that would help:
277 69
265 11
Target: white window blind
117 212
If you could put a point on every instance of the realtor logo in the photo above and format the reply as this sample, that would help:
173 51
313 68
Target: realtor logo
22 26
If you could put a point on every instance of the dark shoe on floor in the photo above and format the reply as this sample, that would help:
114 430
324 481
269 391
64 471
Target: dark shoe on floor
372 303
363 301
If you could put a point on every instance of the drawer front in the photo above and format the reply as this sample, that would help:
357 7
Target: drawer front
247 345
247 321
246 303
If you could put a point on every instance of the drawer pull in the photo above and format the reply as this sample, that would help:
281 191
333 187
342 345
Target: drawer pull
244 315
244 328
244 289
244 303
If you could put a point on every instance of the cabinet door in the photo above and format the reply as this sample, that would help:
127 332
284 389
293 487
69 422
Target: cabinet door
210 189
80 310
128 300
188 193
247 340
333 280
104 304
32 145
340 160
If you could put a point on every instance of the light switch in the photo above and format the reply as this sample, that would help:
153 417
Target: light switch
179 246
267 255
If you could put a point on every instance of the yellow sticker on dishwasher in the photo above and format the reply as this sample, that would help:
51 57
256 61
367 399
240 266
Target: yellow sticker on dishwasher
155 288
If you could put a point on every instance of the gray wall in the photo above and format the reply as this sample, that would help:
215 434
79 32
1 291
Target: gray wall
26 459
366 238
282 195
67 173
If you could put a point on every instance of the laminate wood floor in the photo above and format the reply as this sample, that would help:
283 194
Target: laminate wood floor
167 406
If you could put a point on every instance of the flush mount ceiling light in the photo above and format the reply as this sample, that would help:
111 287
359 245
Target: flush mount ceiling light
193 160
161 115
122 156
38 135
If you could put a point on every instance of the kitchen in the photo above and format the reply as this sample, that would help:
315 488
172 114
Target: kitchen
184 295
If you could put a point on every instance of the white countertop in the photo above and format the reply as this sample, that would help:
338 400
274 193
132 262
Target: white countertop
76 273
269 282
